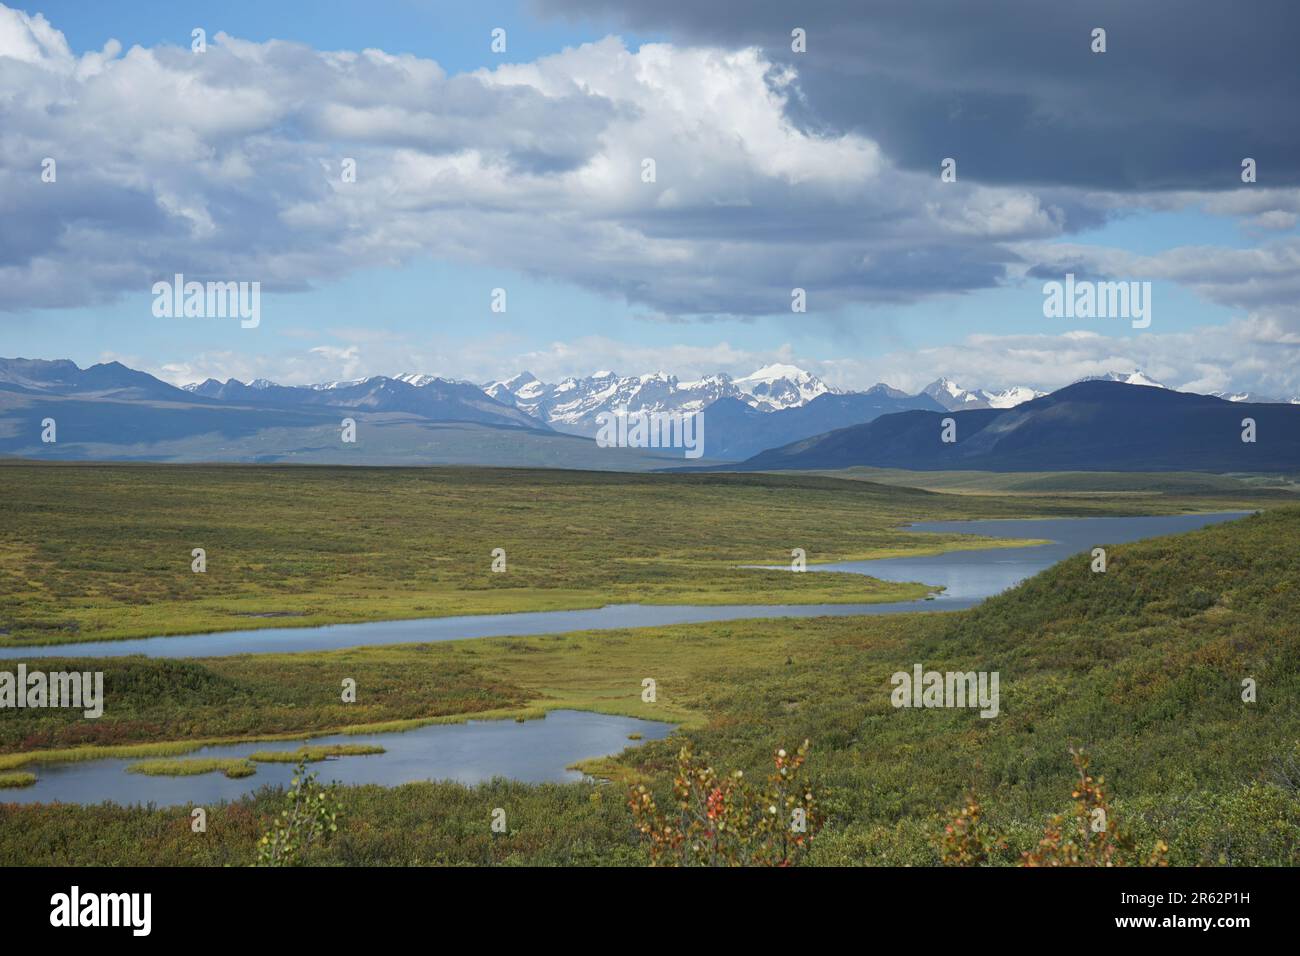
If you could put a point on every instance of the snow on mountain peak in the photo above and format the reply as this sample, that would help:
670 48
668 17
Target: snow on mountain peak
418 379
773 373
947 386
954 398
1011 397
1135 377
327 386
780 386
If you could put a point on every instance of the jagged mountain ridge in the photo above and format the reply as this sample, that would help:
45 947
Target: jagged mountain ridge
110 406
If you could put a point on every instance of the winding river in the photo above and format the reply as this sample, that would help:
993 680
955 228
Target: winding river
541 750
967 577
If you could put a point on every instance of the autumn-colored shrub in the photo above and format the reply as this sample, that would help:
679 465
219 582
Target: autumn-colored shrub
724 821
1087 835
966 840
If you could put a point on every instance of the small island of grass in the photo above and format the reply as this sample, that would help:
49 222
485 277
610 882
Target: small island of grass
315 754
233 768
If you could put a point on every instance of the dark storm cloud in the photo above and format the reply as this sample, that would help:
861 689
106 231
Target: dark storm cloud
1012 90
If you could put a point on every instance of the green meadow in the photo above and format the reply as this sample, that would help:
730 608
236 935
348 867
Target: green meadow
1143 666
97 552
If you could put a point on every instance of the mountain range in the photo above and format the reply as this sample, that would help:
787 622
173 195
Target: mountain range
112 412
432 398
780 417
1093 425
572 404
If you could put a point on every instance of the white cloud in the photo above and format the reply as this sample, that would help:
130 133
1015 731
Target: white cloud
1242 355
1263 281
227 164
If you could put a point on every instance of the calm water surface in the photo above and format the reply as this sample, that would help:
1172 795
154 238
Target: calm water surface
535 751
969 577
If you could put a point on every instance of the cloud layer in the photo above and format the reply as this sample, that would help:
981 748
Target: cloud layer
1184 91
227 164
773 170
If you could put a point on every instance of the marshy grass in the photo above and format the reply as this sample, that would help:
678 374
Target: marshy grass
16 779
576 540
232 767
315 754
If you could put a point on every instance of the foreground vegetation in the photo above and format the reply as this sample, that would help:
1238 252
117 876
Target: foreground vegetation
1142 666
96 551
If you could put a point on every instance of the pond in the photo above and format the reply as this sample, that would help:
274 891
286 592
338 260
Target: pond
533 751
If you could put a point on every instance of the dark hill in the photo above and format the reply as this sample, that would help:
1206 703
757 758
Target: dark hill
1088 426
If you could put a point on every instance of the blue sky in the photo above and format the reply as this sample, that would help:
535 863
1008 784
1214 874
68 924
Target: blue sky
454 34
415 295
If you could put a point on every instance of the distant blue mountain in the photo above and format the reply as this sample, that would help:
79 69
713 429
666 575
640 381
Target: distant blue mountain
1088 426
735 430
109 380
231 413
436 399
111 412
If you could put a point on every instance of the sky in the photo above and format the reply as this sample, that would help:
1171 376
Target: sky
775 169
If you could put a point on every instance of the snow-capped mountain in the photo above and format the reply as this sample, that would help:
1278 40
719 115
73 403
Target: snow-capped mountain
323 386
1011 397
436 399
775 387
1240 397
572 405
1255 398
1135 377
955 398
952 396
512 421
418 379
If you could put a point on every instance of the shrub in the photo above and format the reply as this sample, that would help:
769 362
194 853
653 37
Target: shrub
1088 835
311 817
967 840
726 821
